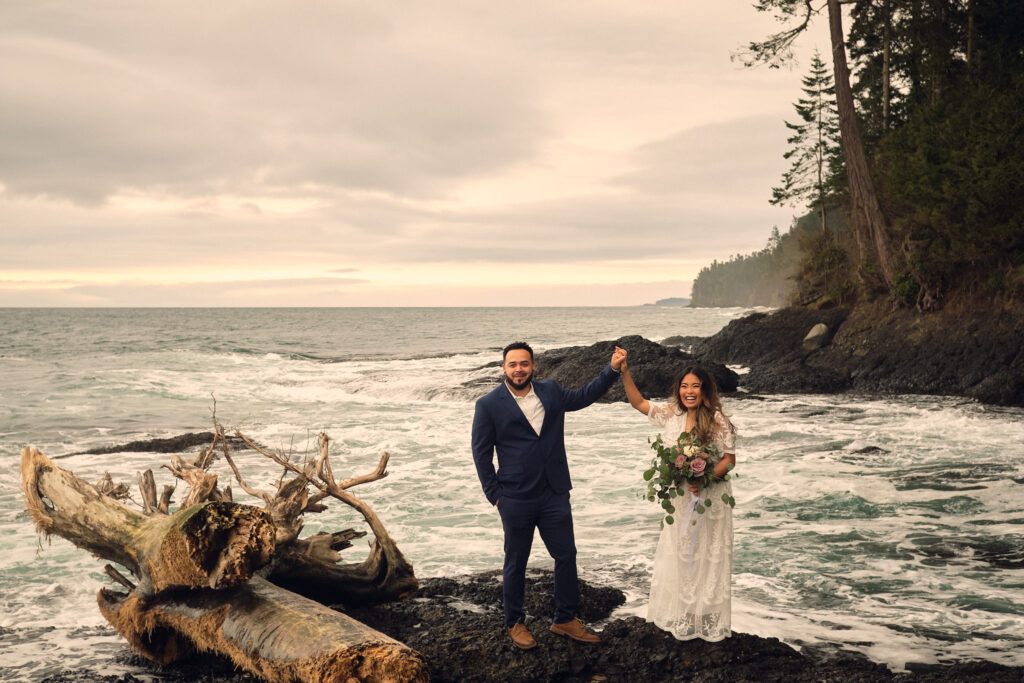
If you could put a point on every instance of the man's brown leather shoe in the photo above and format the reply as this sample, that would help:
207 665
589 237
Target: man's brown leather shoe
575 630
521 637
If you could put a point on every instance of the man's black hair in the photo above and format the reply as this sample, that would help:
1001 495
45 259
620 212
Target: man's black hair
516 345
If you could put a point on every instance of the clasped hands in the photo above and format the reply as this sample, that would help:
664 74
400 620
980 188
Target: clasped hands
618 361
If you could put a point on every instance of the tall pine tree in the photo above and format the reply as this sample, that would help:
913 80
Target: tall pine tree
816 152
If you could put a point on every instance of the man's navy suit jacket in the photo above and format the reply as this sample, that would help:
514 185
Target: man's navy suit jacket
527 461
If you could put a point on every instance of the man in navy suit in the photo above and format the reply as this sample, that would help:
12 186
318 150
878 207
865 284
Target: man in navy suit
524 421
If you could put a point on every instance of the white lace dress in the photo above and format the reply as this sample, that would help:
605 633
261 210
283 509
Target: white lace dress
691 595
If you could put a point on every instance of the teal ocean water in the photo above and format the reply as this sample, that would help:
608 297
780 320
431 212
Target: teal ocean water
891 526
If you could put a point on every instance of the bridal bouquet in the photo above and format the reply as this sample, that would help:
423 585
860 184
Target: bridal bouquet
677 465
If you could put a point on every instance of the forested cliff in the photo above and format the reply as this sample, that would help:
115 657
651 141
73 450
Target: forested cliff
916 136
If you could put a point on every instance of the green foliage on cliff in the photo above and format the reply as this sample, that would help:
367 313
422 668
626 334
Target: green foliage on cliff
945 135
736 282
953 176
937 151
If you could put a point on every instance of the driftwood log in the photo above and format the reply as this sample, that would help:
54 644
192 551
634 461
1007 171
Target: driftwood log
205 545
266 630
215 575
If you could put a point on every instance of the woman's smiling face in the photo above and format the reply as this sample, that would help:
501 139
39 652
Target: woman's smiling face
689 392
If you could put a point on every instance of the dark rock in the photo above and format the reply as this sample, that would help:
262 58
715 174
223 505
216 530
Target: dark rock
875 350
174 444
682 342
456 623
871 450
774 338
794 377
654 367
1002 388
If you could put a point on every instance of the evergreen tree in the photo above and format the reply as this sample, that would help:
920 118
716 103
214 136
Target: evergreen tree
817 162
877 265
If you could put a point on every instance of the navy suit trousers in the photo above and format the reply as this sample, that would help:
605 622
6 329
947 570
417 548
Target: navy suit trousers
551 514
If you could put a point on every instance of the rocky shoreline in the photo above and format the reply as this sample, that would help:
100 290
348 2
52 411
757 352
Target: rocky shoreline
456 624
873 350
865 350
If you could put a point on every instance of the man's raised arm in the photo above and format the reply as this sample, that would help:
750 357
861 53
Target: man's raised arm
576 399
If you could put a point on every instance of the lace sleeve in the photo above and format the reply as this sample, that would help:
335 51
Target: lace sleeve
659 413
726 433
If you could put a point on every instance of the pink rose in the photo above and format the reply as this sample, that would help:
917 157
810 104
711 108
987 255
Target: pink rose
698 465
681 461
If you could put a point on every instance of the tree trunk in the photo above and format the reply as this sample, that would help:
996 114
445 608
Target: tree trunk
868 220
267 630
210 545
383 576
886 63
971 30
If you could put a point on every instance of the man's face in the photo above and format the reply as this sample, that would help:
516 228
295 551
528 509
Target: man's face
518 367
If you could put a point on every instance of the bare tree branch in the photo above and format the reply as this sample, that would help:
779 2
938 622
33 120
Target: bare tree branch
118 577
147 488
256 493
777 49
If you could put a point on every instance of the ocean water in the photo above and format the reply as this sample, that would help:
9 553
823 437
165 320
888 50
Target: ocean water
890 526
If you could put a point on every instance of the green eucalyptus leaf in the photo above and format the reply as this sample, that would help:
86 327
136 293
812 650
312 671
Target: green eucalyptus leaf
700 509
648 475
669 519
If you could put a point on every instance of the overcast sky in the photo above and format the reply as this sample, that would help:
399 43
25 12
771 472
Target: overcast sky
382 153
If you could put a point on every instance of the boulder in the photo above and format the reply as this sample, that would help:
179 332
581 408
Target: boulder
818 337
654 367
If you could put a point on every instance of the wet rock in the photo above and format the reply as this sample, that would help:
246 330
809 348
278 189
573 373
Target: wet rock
682 342
767 338
174 444
654 367
978 354
456 623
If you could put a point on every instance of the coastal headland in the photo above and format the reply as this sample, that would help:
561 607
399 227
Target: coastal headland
873 349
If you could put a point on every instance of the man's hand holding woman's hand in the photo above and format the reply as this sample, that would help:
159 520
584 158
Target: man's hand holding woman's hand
619 359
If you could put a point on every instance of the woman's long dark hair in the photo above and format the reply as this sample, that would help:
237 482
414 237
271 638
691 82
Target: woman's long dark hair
710 403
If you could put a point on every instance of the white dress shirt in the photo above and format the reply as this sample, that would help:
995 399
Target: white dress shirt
531 406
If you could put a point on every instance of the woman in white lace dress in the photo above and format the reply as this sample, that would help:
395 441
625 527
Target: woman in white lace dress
691 594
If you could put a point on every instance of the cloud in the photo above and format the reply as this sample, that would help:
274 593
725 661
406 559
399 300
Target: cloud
732 158
264 141
279 98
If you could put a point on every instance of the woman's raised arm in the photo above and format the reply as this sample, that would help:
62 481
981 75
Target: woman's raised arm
632 393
